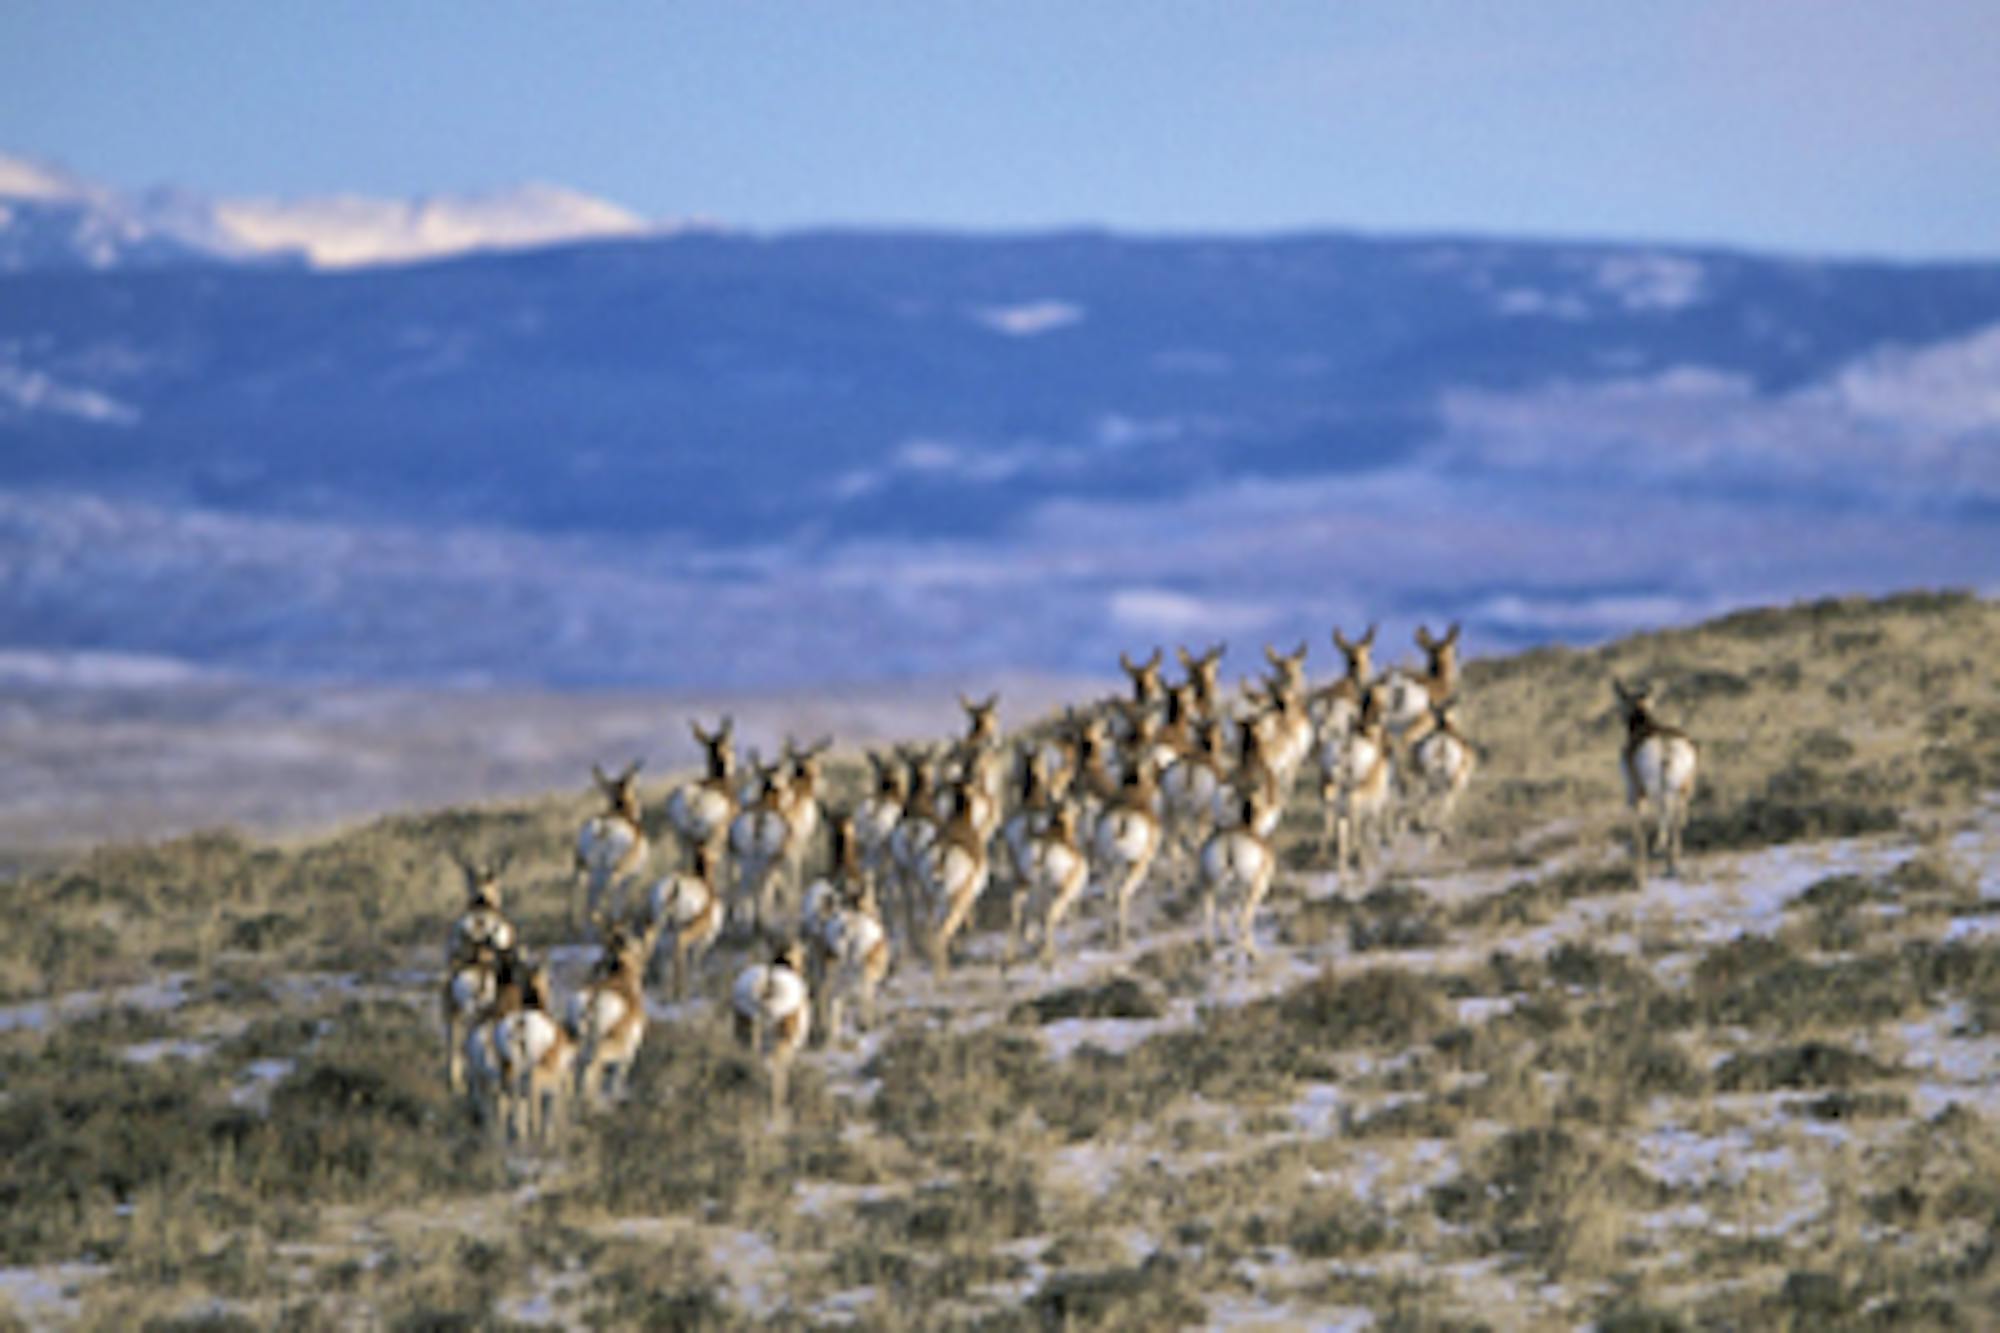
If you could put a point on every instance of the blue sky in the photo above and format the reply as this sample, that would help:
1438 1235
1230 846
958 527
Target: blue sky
1829 126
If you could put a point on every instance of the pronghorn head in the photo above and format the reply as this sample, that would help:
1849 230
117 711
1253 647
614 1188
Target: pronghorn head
482 881
892 780
1182 703
805 765
1635 704
1205 672
1441 654
1290 668
706 854
1145 676
1359 653
982 720
719 747
621 798
923 778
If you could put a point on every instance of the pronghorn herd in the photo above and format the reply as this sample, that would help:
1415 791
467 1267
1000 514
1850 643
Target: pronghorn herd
1175 790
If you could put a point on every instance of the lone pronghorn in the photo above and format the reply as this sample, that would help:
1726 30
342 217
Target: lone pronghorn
610 847
773 1007
1659 764
699 812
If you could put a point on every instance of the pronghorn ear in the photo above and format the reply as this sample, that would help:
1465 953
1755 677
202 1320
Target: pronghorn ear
1272 656
1424 639
597 771
1187 658
1340 641
728 727
700 737
992 702
1299 653
1153 662
1368 639
631 771
1451 635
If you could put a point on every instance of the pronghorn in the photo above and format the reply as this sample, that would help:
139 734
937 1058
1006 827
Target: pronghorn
1125 841
471 986
954 874
1254 773
610 847
1148 693
1334 707
1030 818
607 1019
984 774
822 898
1238 862
1289 669
1443 761
911 841
1188 790
1659 765
1357 794
700 811
846 937
771 837
875 819
762 839
982 722
1407 695
481 1066
537 1055
773 1007
482 924
1058 870
1284 734
1204 673
683 914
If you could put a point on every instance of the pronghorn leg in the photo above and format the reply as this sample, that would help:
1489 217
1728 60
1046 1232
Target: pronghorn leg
1640 836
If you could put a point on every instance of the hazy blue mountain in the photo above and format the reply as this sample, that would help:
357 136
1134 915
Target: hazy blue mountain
716 457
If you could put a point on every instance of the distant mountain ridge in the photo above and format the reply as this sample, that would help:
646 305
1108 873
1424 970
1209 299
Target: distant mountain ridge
51 219
713 459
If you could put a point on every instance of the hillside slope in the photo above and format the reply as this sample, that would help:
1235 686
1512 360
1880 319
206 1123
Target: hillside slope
1501 1086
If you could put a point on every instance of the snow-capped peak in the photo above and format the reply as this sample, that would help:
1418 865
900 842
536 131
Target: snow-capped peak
343 231
52 218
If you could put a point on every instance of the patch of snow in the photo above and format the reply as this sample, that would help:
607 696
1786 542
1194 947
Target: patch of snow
1028 318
